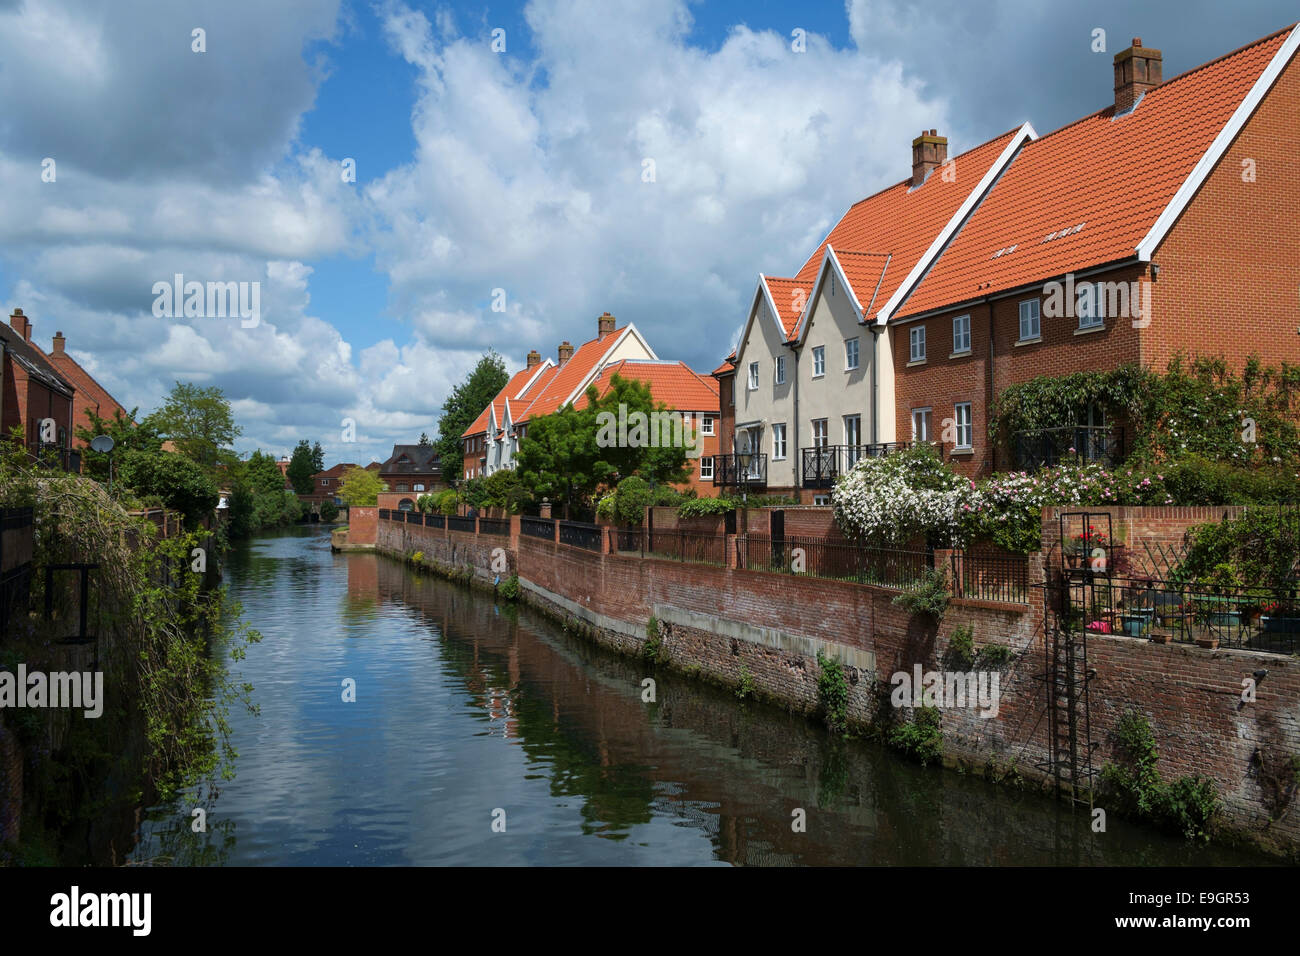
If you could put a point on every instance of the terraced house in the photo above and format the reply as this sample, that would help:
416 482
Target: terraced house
1162 223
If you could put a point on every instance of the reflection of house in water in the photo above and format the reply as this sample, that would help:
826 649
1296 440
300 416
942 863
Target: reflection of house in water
363 578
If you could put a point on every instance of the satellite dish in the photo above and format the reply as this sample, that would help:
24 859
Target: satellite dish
102 443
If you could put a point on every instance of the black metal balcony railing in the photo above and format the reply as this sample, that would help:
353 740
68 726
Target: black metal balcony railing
1080 443
737 470
822 464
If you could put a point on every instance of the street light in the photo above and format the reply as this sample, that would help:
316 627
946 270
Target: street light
743 459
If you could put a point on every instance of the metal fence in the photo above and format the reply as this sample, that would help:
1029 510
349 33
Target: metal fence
1256 619
676 545
841 561
1081 444
985 576
16 543
435 520
460 523
494 525
581 535
385 514
537 527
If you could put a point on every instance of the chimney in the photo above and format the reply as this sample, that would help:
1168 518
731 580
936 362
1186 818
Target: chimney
58 343
565 351
21 324
534 359
1137 71
604 325
929 151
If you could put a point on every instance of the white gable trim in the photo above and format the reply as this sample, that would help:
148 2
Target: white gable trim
528 383
760 291
829 261
1026 133
1201 171
599 366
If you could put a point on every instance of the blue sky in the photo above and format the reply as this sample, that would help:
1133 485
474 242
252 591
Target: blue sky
479 170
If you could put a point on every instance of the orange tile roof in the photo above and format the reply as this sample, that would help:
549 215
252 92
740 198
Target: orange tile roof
675 384
510 391
898 223
726 368
1088 193
788 301
561 383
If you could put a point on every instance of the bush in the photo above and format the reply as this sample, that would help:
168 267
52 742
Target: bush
930 598
446 502
704 507
891 500
961 649
181 484
833 693
509 588
921 737
328 510
1261 547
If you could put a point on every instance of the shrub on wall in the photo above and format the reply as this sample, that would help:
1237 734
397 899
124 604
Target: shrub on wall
891 500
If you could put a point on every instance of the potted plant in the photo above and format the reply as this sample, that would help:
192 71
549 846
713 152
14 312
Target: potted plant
1084 550
1277 617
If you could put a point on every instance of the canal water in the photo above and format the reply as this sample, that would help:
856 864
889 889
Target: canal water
472 715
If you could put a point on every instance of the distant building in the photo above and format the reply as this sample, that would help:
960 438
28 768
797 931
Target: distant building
413 470
32 390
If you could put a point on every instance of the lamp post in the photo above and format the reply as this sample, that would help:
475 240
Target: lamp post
743 460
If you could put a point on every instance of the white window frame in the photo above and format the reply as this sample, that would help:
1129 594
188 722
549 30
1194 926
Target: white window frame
779 449
968 427
961 334
706 467
821 499
1029 310
753 376
780 370
819 361
915 337
852 356
1098 302
825 436
926 413
706 424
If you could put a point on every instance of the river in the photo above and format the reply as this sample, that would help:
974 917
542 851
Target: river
483 733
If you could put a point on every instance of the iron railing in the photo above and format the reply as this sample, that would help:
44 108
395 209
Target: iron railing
54 456
1254 619
494 525
1082 443
581 535
537 527
435 520
982 576
740 470
841 561
385 514
460 523
822 464
16 545
676 545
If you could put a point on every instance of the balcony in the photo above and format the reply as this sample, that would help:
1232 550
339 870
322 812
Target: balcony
1078 443
822 464
740 470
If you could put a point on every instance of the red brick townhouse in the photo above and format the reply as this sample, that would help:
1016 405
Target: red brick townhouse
808 390
32 390
1164 222
325 484
411 471
90 395
684 390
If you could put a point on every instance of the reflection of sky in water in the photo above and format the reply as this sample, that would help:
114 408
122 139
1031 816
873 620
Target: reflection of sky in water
463 707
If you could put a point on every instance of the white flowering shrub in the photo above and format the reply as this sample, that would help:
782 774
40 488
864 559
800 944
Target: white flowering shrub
892 500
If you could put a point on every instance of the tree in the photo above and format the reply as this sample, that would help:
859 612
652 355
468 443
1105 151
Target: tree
302 467
317 458
200 423
328 510
559 458
361 488
504 489
181 483
424 440
126 435
464 404
659 456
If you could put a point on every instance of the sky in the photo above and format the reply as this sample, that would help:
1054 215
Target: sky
519 169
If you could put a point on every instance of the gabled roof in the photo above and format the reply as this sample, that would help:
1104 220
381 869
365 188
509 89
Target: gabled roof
726 368
675 384
1095 191
337 471
32 361
412 460
861 274
567 383
785 298
518 385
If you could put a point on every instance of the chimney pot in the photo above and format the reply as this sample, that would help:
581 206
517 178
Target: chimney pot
565 351
59 341
929 151
534 358
1138 70
21 324
604 325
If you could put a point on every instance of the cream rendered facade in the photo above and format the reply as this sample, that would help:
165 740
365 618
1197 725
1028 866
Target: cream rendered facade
764 411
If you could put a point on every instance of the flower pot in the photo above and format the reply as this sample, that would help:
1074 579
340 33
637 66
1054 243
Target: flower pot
1224 618
1279 624
1207 641
1136 621
1162 638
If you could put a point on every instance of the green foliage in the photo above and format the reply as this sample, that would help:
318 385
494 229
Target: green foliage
509 588
961 648
921 737
464 404
447 502
126 435
329 511
506 490
930 597
301 468
653 650
630 501
361 488
658 455
704 507
1188 805
1261 547
199 421
833 693
181 484
1193 480
746 688
995 654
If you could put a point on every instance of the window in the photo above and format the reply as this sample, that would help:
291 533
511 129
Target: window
853 437
821 499
1029 324
920 424
706 468
418 488
778 441
401 486
821 434
819 360
850 354
961 334
324 482
753 376
780 370
916 339
965 429
706 424
1090 305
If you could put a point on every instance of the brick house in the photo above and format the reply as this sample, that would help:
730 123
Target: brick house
1117 239
325 484
414 470
33 390
90 395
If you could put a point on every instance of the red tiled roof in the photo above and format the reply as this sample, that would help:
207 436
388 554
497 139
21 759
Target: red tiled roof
726 368
561 383
511 391
788 301
675 384
1088 193
899 223
336 470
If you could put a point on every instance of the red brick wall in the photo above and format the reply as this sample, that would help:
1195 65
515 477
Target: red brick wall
1150 536
361 525
26 402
